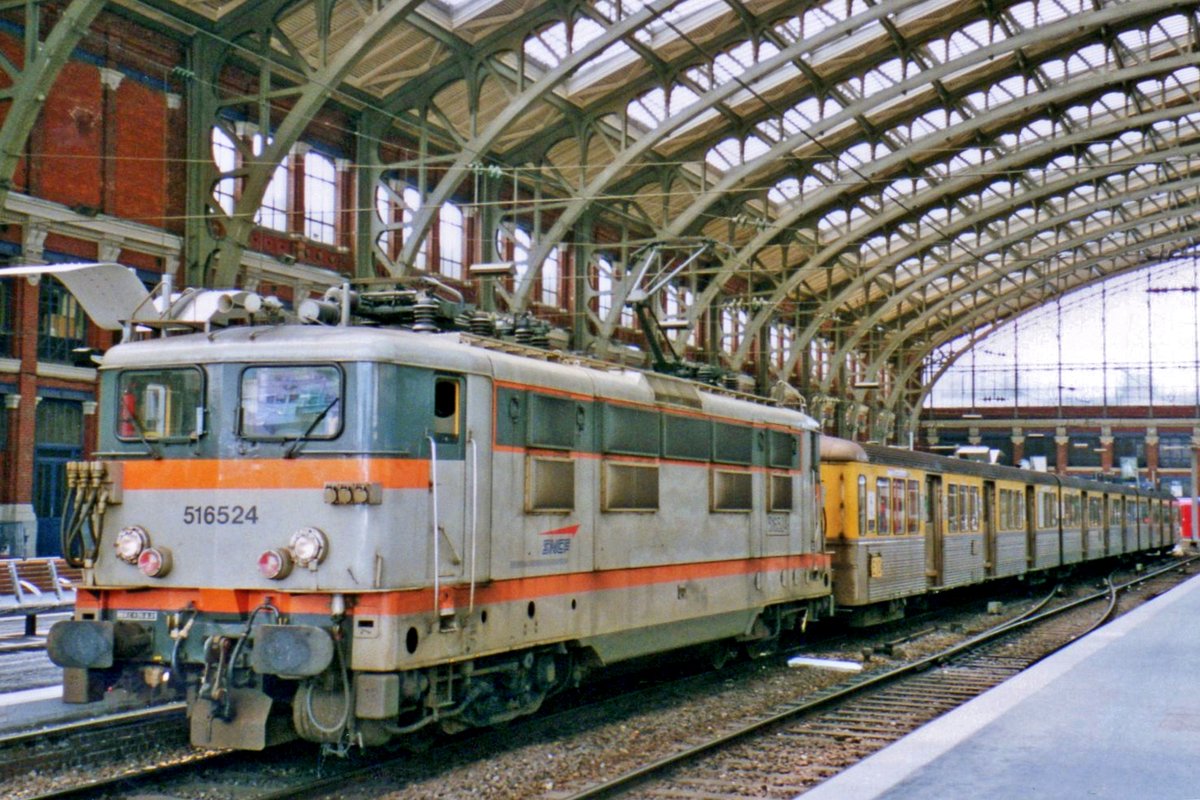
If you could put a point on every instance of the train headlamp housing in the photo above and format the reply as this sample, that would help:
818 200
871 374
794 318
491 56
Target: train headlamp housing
308 547
155 562
275 564
130 543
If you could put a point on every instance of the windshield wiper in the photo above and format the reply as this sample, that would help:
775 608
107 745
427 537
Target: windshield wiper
154 452
294 447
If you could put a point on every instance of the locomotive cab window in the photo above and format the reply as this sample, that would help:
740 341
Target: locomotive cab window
447 409
161 404
291 402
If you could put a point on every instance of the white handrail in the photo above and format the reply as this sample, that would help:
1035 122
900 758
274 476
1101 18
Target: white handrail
474 515
437 554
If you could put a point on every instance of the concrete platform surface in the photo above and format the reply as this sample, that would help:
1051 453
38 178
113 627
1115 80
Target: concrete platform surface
1116 715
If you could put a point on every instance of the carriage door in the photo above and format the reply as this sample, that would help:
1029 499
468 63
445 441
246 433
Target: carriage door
1031 513
1105 526
59 439
989 527
934 528
461 493
1085 525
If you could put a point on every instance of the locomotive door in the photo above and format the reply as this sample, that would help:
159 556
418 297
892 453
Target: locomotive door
989 528
461 496
934 529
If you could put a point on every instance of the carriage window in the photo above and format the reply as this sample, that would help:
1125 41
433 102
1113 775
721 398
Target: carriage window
898 506
863 522
883 501
446 407
973 514
952 506
160 404
914 506
291 401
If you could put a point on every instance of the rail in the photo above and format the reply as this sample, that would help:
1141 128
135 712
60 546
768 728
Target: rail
30 586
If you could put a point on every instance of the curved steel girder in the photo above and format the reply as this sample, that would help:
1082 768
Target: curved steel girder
863 324
420 91
730 180
477 148
926 387
32 83
320 84
877 314
956 319
629 90
1124 252
951 187
588 195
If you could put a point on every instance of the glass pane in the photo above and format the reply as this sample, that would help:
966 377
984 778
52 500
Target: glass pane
284 402
160 404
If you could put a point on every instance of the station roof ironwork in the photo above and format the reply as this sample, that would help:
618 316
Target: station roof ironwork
909 173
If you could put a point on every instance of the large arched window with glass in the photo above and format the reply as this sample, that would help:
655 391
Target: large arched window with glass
320 198
451 241
273 212
411 203
552 279
225 157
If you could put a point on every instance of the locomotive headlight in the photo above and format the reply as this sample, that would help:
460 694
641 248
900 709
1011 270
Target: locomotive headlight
275 564
308 547
155 562
130 543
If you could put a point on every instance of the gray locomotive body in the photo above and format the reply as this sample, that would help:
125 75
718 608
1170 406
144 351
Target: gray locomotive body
384 530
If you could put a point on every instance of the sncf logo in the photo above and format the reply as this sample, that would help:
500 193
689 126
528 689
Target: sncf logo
558 541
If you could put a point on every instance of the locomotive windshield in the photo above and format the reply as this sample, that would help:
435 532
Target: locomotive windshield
160 404
291 401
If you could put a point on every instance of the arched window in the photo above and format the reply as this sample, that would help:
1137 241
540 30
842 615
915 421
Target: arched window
552 278
412 202
451 239
320 198
225 157
273 212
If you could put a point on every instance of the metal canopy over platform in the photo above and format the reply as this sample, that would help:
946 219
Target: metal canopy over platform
885 178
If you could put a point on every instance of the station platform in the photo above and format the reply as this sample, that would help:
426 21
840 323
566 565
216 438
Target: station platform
1113 715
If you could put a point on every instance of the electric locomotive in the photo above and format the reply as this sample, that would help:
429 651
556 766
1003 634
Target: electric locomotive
348 532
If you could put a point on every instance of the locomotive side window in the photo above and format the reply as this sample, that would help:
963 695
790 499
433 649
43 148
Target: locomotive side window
160 404
780 488
291 401
629 487
447 409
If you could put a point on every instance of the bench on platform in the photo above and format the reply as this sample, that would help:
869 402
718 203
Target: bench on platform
29 586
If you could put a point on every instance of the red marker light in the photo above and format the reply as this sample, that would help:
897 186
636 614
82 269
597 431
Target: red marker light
155 562
275 564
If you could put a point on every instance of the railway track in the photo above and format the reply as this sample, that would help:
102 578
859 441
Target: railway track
940 682
786 752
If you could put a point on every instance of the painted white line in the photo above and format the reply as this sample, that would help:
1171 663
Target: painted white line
30 696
